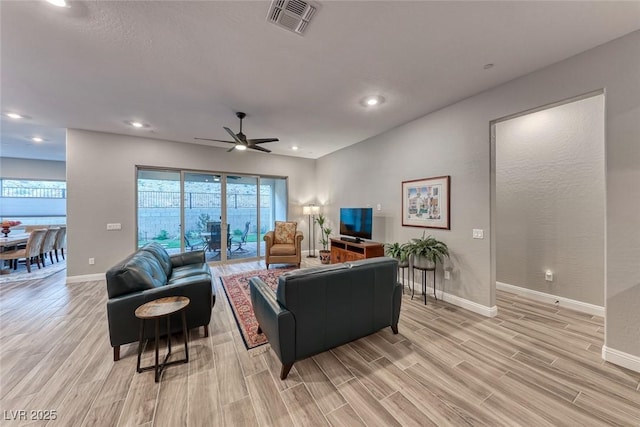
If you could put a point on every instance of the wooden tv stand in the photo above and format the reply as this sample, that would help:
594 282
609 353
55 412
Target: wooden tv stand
342 251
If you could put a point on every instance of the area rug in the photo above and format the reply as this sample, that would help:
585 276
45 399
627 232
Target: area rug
21 273
236 286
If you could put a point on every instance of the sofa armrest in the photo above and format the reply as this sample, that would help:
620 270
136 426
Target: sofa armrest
277 323
268 238
185 258
298 239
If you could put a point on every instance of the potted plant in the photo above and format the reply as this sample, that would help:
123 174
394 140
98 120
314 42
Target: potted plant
325 232
427 251
399 252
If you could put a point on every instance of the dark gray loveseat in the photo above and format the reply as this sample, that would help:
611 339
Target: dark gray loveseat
316 309
151 273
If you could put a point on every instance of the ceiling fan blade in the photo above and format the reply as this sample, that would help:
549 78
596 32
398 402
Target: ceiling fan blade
233 135
216 140
257 147
231 149
262 140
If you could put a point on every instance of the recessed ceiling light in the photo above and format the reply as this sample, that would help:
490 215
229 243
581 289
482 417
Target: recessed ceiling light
15 116
372 101
37 139
488 66
240 147
294 148
59 3
136 124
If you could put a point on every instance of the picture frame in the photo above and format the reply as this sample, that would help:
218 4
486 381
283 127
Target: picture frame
426 202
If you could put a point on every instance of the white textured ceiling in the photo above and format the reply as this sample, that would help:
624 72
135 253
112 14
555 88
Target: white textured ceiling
186 67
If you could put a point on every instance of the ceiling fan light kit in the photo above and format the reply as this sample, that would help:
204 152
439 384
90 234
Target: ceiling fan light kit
240 141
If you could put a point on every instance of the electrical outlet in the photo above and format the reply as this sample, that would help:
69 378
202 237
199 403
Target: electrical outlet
478 233
447 275
548 276
92 261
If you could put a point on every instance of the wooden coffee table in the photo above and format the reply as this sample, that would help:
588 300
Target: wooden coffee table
156 310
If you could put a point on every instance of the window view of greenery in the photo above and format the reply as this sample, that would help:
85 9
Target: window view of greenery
33 202
159 209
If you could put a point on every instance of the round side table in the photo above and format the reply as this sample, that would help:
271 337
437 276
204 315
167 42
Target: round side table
156 310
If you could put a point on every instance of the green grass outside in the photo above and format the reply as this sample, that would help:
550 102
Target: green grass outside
175 243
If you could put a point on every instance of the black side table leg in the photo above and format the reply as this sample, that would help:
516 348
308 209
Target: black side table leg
185 333
157 356
140 344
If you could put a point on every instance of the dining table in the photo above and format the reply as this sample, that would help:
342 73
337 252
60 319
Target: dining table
12 240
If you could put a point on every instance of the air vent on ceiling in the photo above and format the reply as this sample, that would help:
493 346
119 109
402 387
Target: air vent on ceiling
292 15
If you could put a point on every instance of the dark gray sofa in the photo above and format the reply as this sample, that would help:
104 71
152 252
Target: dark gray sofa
151 273
316 309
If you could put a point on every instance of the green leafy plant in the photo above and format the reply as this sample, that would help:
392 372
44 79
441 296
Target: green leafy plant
325 232
163 235
397 251
429 248
203 219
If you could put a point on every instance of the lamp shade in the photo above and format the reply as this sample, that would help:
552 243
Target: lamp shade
315 210
306 210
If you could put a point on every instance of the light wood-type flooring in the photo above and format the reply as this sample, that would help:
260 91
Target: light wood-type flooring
532 365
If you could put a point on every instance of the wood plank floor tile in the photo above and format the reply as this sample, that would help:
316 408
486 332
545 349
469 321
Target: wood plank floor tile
302 407
319 385
345 416
366 406
534 364
267 402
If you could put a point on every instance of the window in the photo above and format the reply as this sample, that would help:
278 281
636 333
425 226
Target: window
33 202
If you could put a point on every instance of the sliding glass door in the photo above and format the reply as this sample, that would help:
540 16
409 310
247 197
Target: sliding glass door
159 208
226 215
242 216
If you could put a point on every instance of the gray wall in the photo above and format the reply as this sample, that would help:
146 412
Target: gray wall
101 186
550 200
455 141
32 169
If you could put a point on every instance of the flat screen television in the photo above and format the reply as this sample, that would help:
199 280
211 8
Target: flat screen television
356 222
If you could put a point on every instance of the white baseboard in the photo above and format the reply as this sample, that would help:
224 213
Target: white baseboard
580 306
621 358
86 278
468 305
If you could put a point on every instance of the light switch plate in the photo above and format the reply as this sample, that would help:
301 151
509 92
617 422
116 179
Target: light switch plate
478 233
114 226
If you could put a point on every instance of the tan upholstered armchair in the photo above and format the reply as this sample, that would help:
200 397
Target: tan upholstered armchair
283 245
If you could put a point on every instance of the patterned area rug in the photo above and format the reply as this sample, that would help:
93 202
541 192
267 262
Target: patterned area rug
21 273
236 286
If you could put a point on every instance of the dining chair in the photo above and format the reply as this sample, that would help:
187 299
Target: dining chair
48 244
29 252
61 242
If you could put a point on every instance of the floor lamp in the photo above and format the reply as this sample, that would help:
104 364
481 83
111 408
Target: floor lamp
311 211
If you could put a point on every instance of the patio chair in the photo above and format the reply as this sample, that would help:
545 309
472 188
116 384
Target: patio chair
243 238
196 244
215 237
31 251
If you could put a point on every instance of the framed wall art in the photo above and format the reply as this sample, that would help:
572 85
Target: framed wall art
425 202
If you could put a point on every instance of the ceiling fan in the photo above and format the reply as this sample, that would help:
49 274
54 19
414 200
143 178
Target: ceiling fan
240 140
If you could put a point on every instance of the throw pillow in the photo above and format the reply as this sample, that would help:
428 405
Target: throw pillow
285 232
